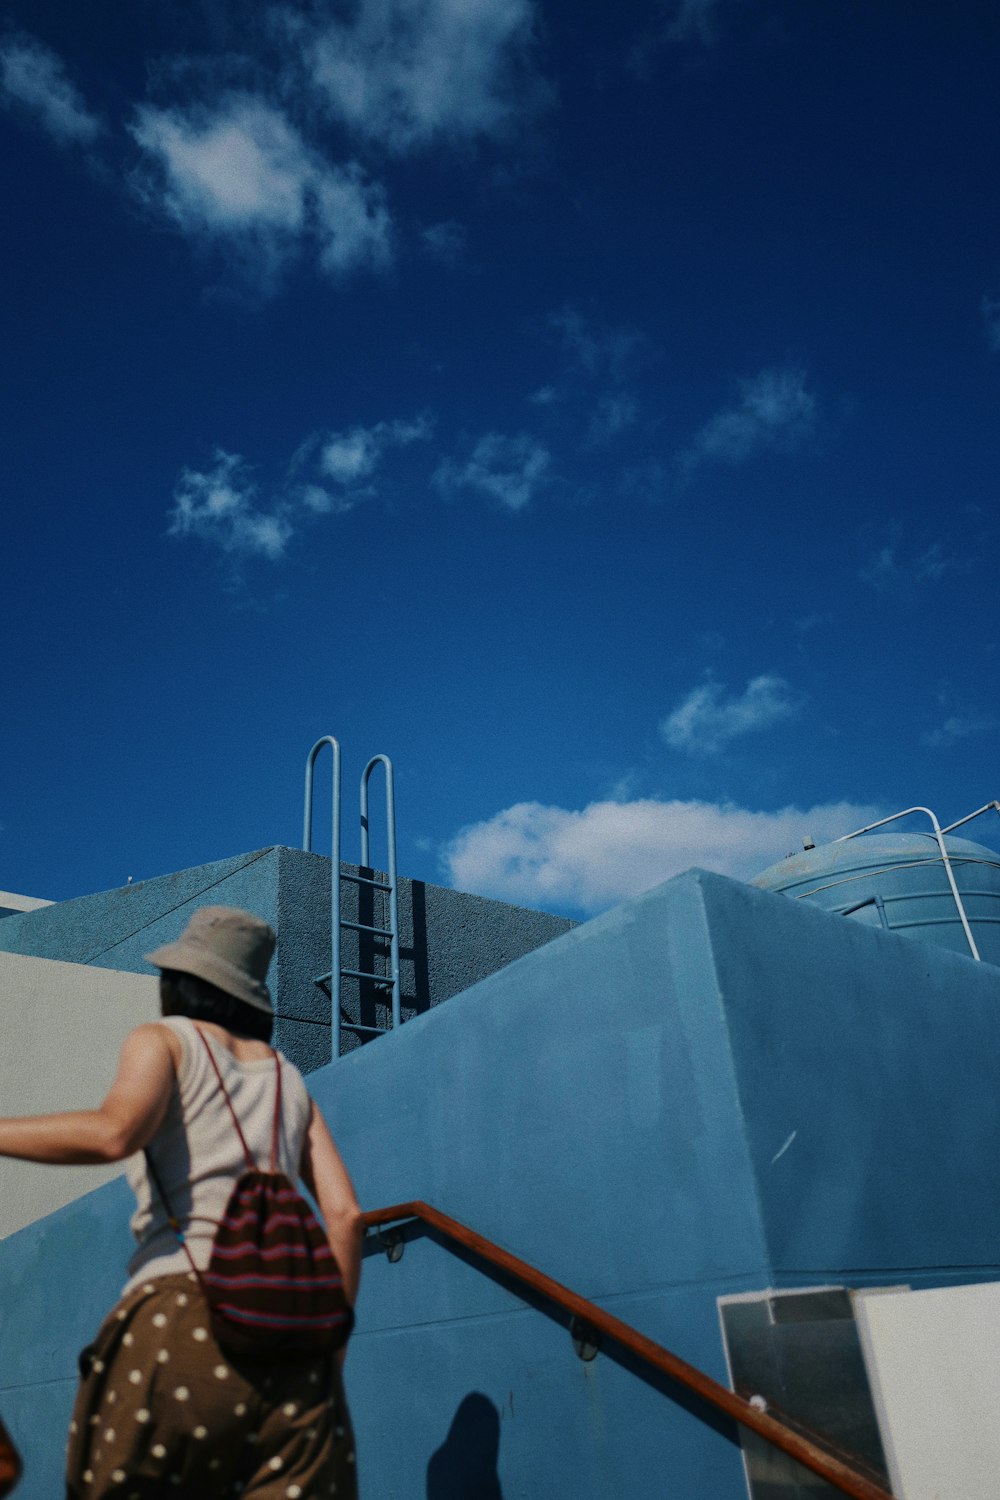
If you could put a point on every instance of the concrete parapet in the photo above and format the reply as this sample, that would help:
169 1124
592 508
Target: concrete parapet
11 903
448 939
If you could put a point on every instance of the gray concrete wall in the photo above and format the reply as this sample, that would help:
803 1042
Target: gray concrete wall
63 1026
448 939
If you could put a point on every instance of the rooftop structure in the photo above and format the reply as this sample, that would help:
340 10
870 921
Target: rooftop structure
723 1115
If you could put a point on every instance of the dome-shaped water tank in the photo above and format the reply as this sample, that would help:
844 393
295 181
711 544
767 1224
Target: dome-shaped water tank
898 881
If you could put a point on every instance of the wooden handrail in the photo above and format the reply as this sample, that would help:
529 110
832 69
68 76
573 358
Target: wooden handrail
839 1474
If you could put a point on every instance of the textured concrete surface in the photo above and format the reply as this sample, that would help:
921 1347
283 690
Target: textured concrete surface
63 1026
866 1069
115 928
448 939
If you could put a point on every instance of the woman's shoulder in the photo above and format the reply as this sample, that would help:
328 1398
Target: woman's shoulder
183 1025
293 1084
289 1071
181 1036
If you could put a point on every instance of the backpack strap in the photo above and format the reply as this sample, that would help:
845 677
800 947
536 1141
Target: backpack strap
276 1128
172 1219
225 1094
276 1125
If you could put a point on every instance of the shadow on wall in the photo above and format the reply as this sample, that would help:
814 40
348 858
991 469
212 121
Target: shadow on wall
465 1465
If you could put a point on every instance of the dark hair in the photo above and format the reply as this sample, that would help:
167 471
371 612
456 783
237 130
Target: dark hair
187 995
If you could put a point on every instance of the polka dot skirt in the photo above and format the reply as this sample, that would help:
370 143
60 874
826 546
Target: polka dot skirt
163 1410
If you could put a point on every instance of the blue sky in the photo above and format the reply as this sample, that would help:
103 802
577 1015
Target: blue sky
593 407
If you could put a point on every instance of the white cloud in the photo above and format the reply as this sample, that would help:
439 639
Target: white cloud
508 469
598 361
614 412
546 395
408 72
219 505
348 458
990 310
694 20
352 221
891 567
329 474
598 351
774 411
649 482
445 242
320 502
240 172
955 728
706 720
33 78
933 564
592 858
880 568
691 22
243 167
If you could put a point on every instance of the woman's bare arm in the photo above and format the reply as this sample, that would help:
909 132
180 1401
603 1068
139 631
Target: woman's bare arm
128 1118
325 1175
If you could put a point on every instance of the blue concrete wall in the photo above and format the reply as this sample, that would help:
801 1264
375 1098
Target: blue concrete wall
58 1279
709 1090
866 1069
580 1108
448 939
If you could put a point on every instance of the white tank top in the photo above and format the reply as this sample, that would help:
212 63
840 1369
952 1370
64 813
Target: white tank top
197 1152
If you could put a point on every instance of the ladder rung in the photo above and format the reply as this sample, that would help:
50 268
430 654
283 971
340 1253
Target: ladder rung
380 885
362 974
355 974
375 1030
364 927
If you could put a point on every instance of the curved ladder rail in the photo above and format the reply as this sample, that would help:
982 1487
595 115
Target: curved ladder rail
334 974
392 933
812 1457
337 972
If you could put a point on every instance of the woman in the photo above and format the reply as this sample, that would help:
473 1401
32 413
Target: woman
162 1409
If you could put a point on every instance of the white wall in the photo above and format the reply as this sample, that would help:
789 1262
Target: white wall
933 1362
61 1030
20 903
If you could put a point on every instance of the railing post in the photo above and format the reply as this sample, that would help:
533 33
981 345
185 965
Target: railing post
987 806
328 739
945 859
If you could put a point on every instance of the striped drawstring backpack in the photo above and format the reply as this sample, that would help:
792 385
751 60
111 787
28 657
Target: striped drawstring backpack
10 1462
273 1284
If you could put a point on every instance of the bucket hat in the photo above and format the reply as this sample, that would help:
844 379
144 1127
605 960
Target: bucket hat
228 947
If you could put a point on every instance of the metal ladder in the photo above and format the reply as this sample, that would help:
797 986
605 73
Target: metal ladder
336 971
